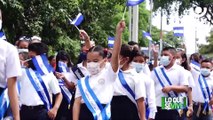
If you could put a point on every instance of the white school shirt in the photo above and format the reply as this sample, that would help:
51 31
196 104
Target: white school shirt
150 94
197 95
101 84
135 83
72 76
190 78
9 62
146 70
28 94
176 75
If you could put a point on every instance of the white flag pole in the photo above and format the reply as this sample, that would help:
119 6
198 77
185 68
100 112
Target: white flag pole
74 25
123 17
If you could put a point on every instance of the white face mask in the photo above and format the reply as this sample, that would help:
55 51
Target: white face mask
93 68
138 66
178 61
0 24
22 50
205 72
164 60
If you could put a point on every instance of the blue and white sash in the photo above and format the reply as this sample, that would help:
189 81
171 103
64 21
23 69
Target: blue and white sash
195 65
40 87
126 86
42 65
66 93
63 67
4 103
92 102
205 91
164 80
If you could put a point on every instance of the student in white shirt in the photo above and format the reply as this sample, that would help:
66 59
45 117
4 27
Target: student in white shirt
33 108
138 64
63 73
99 83
10 69
178 83
202 91
129 89
181 59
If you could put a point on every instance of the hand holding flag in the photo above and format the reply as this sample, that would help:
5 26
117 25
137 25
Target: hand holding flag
77 21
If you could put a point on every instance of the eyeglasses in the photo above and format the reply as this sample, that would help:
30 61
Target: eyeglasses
24 38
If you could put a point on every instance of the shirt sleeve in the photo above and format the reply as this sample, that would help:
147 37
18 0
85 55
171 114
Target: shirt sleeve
110 73
140 91
54 86
183 77
13 67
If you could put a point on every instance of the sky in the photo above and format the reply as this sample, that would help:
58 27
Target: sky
190 24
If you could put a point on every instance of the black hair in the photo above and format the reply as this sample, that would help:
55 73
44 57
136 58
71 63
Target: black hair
185 64
196 57
172 50
102 52
127 51
38 48
62 55
206 60
82 57
140 53
51 57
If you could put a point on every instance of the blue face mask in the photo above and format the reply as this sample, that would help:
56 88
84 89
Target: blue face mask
138 66
205 72
164 60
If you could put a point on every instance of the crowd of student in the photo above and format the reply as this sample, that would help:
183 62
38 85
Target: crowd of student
114 84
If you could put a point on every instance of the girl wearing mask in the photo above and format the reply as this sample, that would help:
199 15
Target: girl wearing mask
129 90
63 73
138 64
94 92
181 59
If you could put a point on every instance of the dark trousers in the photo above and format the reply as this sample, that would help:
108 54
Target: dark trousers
122 108
64 111
167 114
33 113
201 115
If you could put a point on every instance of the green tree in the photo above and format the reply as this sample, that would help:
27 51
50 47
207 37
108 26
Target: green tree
181 6
208 49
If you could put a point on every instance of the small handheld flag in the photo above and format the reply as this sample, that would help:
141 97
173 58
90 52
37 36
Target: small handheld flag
62 67
147 35
133 2
42 65
78 20
111 41
178 31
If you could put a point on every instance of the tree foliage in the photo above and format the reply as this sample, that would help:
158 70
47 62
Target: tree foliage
208 49
181 6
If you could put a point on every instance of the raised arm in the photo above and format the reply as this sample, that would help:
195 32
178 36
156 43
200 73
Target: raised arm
84 36
117 45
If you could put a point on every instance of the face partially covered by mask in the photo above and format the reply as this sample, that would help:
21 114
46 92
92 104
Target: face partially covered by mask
138 66
93 68
206 68
165 60
205 72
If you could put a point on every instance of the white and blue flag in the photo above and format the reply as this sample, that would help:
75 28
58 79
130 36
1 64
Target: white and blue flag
134 2
178 31
78 20
63 67
111 41
147 35
42 65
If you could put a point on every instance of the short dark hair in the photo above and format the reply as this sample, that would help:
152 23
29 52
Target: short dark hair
38 48
172 50
206 60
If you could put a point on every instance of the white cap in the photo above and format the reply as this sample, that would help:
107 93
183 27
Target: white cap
36 38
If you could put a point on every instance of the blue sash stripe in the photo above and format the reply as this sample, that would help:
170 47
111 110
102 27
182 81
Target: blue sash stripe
202 89
4 106
195 63
36 88
44 87
35 62
159 78
61 84
167 79
46 63
86 100
124 84
94 97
